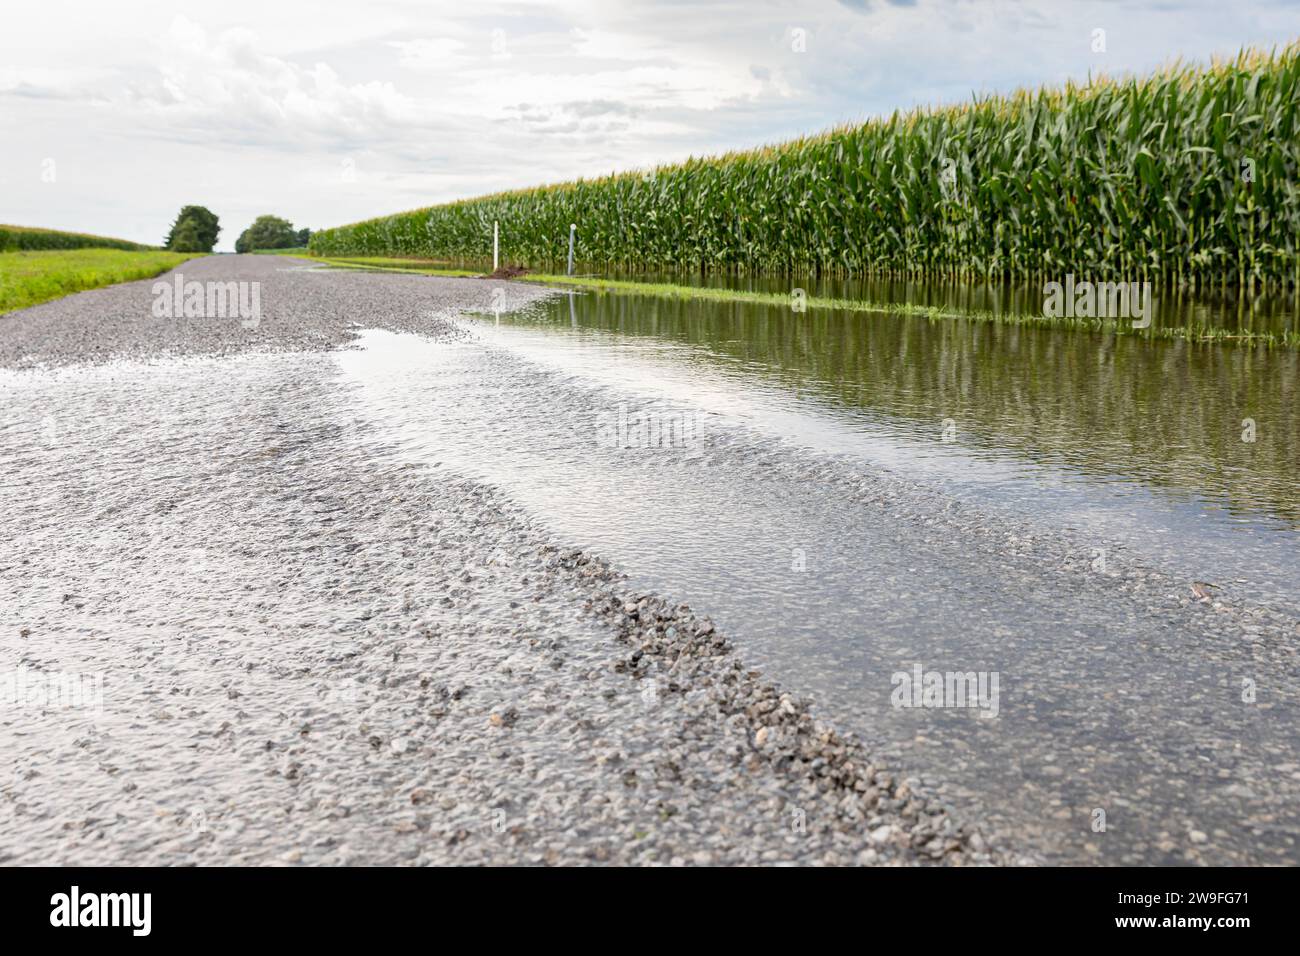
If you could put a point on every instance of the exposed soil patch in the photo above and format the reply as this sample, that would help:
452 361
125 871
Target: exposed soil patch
507 272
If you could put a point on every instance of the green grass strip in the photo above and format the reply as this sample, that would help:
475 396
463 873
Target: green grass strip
30 278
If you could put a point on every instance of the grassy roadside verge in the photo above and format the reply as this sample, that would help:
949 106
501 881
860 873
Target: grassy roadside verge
672 291
30 278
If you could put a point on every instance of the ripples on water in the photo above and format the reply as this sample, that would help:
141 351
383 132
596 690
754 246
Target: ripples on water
726 535
1167 414
1117 439
1132 440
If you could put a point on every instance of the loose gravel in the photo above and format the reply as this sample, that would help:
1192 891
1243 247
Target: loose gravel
304 307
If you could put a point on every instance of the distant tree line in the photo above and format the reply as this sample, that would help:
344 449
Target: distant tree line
272 232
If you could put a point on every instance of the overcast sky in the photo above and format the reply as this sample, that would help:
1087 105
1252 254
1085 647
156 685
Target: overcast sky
115 114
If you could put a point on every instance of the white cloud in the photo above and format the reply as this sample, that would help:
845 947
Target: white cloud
226 89
433 53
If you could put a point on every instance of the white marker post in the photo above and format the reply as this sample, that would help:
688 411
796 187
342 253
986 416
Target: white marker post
573 228
496 244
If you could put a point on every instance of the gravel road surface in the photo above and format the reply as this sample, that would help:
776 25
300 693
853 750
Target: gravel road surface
243 624
237 630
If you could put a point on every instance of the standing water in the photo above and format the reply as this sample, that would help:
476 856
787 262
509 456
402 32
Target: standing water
1173 455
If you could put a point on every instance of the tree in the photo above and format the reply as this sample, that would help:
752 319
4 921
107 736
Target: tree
304 237
205 229
267 232
185 238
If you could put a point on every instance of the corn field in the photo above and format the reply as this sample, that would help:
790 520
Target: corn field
25 238
1190 176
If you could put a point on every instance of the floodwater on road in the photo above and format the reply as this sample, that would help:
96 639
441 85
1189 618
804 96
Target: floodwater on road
1196 444
1272 312
622 424
850 498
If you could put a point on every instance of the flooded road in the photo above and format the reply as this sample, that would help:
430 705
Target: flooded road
1187 452
241 627
1200 311
257 539
1120 691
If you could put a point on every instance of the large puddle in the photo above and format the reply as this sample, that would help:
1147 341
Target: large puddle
1131 704
1207 309
1188 454
1133 444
